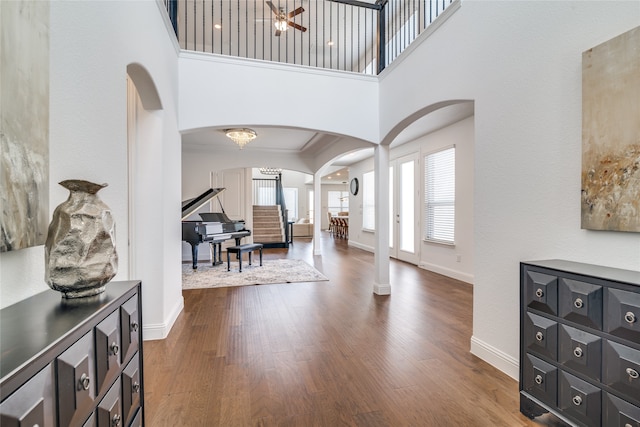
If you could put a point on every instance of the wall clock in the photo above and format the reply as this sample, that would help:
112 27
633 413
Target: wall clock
354 186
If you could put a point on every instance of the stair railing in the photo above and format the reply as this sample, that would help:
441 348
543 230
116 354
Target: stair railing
346 35
283 208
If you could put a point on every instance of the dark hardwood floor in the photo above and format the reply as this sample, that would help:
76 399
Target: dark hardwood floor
328 353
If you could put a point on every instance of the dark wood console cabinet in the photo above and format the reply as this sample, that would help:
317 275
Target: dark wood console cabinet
580 343
73 362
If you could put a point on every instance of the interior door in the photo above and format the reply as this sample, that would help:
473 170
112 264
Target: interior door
404 211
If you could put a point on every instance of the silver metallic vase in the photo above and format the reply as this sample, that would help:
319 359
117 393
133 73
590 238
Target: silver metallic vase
80 251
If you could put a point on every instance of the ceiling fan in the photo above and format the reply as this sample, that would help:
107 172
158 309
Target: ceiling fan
283 18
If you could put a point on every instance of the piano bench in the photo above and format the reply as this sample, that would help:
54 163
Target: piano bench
240 249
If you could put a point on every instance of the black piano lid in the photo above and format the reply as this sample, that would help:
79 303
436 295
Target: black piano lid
191 205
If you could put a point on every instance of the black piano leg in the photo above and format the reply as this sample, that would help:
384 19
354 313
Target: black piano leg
194 255
216 254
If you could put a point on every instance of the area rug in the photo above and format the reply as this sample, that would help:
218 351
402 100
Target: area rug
272 271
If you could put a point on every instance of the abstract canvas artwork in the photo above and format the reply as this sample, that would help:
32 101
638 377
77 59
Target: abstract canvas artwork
611 134
24 123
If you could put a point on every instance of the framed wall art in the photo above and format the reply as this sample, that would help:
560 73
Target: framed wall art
24 123
611 134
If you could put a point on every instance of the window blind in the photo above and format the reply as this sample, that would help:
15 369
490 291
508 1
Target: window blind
440 195
368 201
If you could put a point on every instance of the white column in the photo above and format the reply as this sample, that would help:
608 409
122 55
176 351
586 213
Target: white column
381 284
317 212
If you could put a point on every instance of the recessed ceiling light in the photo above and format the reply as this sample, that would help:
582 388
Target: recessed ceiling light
217 26
329 43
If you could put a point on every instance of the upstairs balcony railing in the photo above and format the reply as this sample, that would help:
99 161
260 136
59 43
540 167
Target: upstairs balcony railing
346 35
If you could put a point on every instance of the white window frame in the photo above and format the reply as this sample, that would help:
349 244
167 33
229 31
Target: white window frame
439 196
342 204
292 205
369 201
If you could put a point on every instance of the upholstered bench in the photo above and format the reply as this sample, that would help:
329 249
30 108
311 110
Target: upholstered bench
241 249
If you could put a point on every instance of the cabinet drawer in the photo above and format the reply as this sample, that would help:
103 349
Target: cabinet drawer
540 379
541 335
107 351
580 350
583 401
621 369
623 314
130 327
109 409
76 381
541 292
580 302
131 389
32 404
618 412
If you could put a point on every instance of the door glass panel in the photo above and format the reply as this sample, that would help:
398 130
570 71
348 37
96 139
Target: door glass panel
391 219
407 207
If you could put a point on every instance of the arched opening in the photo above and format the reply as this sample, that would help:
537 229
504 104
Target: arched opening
147 208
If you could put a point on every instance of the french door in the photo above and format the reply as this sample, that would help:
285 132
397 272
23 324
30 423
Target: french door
404 213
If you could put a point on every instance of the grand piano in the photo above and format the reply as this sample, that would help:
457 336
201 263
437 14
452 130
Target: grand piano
215 227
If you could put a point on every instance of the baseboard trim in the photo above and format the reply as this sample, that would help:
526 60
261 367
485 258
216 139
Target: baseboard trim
495 357
160 331
455 274
361 246
382 289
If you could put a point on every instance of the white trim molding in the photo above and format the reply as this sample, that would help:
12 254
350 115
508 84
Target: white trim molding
382 288
361 246
160 331
495 357
455 274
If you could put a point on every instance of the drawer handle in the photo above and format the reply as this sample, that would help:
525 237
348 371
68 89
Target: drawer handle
539 293
83 383
577 352
538 379
114 348
577 400
135 387
115 421
633 374
539 336
578 303
134 326
630 318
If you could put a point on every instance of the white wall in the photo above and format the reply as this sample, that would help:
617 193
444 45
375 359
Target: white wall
521 64
454 261
298 180
91 44
337 102
439 258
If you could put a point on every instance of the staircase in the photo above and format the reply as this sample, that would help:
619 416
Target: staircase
267 226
